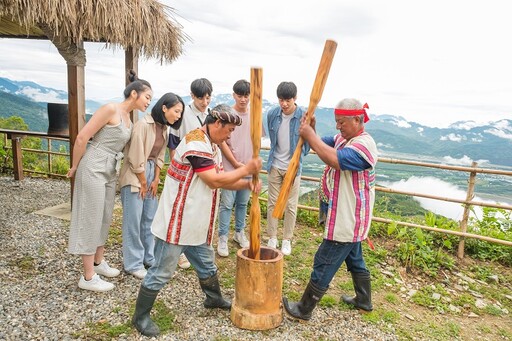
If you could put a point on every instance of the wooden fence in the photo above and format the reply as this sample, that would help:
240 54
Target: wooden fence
17 150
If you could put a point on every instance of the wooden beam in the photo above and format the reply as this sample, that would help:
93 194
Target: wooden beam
131 62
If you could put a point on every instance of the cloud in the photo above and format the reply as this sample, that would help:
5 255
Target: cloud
38 96
384 145
402 124
436 187
466 125
463 161
453 137
501 129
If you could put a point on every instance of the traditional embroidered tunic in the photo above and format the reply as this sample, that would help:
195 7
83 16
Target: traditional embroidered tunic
350 212
188 207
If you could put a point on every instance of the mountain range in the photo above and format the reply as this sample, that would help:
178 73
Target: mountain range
460 143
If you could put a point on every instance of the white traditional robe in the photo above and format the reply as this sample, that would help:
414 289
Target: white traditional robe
188 207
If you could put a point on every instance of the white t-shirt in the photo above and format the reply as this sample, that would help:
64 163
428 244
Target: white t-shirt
282 153
192 119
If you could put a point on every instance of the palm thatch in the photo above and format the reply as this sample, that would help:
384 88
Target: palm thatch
147 26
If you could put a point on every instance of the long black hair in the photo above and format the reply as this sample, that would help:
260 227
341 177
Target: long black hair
169 100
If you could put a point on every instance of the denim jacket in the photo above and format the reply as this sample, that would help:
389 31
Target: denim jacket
274 120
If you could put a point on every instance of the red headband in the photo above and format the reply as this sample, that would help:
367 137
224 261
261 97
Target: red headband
354 112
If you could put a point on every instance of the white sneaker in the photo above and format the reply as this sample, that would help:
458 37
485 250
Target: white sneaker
183 262
286 248
241 239
222 246
105 270
140 274
95 284
272 242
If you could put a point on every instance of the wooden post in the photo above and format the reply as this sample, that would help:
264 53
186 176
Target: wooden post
17 157
49 148
465 216
131 62
76 105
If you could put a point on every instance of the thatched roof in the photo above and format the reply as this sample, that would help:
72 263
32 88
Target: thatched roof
147 26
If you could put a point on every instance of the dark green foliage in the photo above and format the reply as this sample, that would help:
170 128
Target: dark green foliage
31 161
495 223
33 113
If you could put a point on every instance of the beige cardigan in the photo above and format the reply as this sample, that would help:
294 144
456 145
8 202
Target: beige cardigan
137 150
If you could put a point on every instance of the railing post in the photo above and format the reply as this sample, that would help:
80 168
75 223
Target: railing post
465 216
49 147
17 157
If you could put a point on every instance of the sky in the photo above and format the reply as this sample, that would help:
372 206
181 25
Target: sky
432 62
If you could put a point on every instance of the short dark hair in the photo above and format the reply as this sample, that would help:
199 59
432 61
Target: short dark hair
242 87
169 100
286 90
139 85
201 87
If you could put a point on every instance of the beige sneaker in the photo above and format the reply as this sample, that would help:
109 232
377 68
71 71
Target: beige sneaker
183 262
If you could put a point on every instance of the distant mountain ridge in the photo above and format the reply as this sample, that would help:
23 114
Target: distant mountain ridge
460 143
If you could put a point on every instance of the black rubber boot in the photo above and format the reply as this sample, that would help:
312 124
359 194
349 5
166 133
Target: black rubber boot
363 288
141 319
214 297
303 309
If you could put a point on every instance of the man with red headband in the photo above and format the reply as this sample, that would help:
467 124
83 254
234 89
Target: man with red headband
349 186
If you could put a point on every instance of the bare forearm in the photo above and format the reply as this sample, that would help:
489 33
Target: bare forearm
239 185
228 179
78 153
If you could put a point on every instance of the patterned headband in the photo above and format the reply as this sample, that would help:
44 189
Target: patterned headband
229 117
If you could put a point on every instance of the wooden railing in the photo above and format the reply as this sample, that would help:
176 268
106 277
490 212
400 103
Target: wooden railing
17 150
16 136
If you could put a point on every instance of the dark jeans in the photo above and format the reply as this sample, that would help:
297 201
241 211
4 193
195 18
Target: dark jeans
331 255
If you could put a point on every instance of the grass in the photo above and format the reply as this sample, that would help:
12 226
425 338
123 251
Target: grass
162 315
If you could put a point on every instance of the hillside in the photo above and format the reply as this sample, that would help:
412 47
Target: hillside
33 113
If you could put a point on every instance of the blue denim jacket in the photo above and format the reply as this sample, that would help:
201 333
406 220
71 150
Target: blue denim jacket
274 120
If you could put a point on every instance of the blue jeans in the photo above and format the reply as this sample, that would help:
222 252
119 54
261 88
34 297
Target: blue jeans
228 199
202 257
138 214
330 256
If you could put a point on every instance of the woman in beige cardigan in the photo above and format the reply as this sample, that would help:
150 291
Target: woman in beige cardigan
139 180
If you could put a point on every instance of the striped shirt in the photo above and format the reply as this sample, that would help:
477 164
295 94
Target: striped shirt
351 193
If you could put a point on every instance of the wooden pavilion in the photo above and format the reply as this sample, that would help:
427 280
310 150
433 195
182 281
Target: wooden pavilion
144 28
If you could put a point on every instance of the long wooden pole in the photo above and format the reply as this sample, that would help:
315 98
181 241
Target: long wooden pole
316 95
256 121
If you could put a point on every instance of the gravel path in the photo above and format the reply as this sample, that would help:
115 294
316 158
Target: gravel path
40 300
